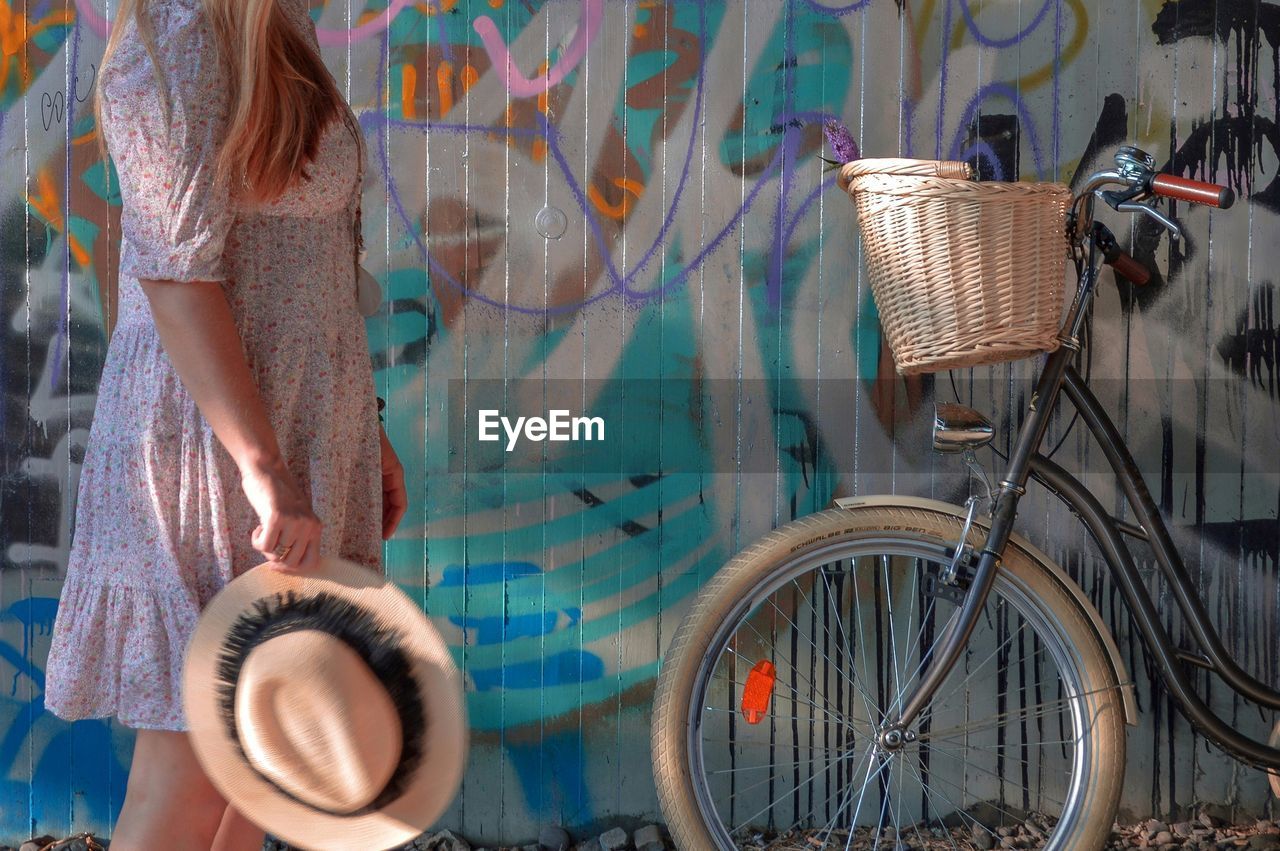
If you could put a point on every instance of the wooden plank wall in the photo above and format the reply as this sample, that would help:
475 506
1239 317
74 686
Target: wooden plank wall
677 144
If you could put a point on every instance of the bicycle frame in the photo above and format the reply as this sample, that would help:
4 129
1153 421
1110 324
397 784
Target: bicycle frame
1110 533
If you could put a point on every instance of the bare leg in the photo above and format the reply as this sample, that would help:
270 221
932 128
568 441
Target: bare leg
237 833
169 803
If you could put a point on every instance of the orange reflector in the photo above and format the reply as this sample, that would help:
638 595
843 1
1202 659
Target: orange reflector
758 691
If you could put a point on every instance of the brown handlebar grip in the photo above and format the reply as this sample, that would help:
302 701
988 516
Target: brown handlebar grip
1193 191
1135 272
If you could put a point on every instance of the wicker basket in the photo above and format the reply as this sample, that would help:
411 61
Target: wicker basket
963 273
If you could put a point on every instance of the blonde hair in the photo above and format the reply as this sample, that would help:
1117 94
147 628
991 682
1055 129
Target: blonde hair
282 96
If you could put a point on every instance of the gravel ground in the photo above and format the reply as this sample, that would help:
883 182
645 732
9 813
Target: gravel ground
1209 829
1203 832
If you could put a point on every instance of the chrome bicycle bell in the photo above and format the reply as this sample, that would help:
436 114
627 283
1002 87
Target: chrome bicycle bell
1134 163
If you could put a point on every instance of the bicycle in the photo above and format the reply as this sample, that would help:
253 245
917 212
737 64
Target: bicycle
857 623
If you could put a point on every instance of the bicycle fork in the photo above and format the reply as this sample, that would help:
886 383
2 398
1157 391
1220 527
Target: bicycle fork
1009 491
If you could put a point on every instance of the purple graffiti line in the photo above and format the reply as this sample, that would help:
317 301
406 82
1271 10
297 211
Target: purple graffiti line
943 78
1024 122
982 149
837 11
620 284
517 84
987 41
372 27
774 281
86 13
997 88
64 288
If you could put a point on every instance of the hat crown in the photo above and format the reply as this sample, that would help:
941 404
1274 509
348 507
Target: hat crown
316 721
424 724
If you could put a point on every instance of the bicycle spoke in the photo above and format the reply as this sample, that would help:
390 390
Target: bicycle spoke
774 765
1003 717
831 822
940 698
866 698
987 741
840 623
771 804
862 645
970 765
815 647
965 814
960 813
918 645
834 717
741 743
878 765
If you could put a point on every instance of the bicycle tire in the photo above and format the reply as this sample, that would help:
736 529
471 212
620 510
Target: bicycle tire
717 600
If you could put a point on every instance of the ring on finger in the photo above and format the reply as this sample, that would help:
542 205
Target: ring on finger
282 553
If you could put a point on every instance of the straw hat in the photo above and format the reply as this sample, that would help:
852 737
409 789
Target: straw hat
325 707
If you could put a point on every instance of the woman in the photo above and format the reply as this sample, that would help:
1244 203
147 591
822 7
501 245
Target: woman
236 415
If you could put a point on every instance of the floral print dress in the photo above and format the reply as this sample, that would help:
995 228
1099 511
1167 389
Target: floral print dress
161 523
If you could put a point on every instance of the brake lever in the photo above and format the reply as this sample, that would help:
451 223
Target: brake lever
1175 230
1115 197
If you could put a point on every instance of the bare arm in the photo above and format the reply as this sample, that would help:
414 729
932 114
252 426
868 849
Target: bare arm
199 336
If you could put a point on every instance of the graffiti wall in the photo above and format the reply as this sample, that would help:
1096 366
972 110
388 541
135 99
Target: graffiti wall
630 196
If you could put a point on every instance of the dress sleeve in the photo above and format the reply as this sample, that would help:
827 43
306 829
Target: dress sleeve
175 213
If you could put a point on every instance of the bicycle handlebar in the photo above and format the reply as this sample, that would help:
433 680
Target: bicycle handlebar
1134 271
1192 191
1140 185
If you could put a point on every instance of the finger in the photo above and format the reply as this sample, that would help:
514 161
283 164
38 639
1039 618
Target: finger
310 559
274 555
395 501
393 488
395 522
296 548
400 504
292 564
387 511
313 552
270 538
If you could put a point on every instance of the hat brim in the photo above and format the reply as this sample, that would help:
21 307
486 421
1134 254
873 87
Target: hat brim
434 782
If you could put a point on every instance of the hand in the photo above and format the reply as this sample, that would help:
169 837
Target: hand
285 514
395 501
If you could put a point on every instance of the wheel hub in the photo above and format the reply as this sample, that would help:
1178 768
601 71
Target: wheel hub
893 738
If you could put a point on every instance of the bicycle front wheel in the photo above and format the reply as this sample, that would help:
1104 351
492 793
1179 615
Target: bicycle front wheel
778 685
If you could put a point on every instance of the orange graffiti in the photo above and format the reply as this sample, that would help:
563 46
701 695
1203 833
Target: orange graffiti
470 76
408 88
46 204
16 33
618 211
45 201
78 251
543 96
444 84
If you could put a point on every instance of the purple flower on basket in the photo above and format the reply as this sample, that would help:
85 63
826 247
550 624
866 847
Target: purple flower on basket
841 141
